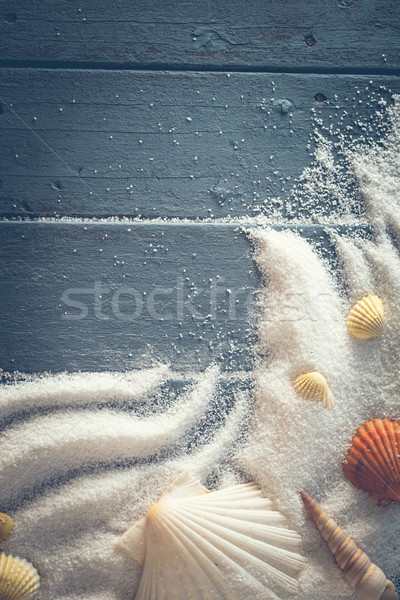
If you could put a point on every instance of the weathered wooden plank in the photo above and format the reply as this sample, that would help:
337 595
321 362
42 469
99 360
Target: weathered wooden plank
322 34
92 297
98 296
195 145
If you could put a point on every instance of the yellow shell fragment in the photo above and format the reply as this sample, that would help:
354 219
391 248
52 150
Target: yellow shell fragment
313 386
19 579
6 526
366 320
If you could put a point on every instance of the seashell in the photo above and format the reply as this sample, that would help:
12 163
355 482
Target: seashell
366 320
313 386
18 578
6 526
364 576
211 545
373 462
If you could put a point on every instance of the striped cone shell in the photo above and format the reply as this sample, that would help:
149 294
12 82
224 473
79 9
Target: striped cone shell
19 579
368 581
373 462
366 319
313 386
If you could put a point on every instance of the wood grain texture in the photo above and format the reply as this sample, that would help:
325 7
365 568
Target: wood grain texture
155 138
193 145
144 293
328 35
98 296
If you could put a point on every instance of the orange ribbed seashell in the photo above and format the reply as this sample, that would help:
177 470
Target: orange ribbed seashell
373 462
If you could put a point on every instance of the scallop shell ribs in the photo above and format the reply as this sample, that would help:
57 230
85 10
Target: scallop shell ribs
366 320
313 386
19 579
362 575
213 545
373 462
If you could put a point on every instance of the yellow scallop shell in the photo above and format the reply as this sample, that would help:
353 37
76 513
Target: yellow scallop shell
366 320
19 579
6 526
313 386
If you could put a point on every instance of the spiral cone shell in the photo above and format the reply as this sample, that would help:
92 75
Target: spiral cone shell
364 576
313 386
6 526
366 319
19 579
213 545
373 461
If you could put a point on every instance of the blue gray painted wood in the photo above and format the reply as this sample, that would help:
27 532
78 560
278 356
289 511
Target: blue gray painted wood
324 35
193 145
57 162
115 296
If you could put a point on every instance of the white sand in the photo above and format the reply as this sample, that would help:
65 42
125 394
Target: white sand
70 510
80 389
71 527
298 445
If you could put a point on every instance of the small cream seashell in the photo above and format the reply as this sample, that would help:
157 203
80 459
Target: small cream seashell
313 386
366 319
6 526
213 545
364 576
19 580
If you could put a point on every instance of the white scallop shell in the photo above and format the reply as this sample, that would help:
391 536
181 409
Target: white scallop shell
366 319
313 386
213 545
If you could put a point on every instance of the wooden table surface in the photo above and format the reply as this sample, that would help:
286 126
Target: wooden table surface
185 110
162 109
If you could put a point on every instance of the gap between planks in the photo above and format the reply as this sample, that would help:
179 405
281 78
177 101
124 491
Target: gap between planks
238 224
194 68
